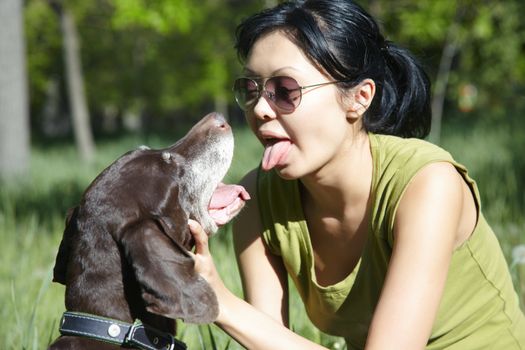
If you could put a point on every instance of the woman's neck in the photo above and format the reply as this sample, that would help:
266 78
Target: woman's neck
344 182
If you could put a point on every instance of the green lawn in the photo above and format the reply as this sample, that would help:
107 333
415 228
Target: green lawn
32 214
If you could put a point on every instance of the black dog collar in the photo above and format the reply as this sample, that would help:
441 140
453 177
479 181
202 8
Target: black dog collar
116 332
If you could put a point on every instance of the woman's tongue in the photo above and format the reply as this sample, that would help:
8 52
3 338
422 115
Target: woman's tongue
275 154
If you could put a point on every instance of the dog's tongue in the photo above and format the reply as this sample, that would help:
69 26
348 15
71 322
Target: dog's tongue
275 154
226 202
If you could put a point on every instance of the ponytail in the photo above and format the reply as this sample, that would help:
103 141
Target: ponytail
345 41
402 107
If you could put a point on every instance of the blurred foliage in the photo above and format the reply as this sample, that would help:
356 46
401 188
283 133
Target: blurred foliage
174 59
490 36
149 58
163 16
44 57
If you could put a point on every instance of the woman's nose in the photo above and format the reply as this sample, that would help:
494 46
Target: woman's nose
263 108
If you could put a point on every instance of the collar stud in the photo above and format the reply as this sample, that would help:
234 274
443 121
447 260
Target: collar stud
113 330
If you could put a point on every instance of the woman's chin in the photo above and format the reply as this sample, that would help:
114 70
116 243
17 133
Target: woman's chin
287 173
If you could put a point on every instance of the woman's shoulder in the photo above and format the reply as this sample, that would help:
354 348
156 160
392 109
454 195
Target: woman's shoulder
398 152
271 195
249 182
251 208
273 206
392 143
396 162
247 223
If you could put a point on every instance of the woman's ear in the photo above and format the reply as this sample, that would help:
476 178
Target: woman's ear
360 98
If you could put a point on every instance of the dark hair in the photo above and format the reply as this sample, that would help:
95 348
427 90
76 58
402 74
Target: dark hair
341 38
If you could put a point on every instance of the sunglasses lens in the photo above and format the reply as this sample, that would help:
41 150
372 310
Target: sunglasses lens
285 92
246 92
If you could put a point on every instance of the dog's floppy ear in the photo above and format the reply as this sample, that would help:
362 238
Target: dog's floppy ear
165 271
62 258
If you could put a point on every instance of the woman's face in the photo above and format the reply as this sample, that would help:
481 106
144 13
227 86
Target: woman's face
316 132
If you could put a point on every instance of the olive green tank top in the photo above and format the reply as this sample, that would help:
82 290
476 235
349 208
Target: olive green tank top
479 308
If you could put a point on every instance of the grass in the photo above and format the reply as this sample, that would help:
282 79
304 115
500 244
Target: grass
32 213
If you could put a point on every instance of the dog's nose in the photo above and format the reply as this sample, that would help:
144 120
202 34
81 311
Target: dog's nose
218 120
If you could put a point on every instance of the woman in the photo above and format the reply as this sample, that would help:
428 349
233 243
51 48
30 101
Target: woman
381 233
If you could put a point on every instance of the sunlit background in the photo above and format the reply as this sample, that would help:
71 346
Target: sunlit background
83 81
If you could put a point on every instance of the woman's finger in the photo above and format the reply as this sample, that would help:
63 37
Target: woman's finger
201 238
204 265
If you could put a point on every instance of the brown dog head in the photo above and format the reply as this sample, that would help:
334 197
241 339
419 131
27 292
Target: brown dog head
130 230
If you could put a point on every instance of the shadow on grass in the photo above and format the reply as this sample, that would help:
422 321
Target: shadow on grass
46 204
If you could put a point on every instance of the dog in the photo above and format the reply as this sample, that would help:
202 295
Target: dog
124 253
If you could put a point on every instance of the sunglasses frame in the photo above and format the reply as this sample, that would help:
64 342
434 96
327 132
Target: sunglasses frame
260 83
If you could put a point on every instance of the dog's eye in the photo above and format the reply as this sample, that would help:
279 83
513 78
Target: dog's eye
166 156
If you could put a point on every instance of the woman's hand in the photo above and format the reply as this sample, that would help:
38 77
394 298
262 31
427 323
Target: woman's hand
204 264
239 319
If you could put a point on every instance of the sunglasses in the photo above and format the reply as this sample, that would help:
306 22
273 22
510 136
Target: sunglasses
283 92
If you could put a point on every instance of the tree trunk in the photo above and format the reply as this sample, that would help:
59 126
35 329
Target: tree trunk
75 87
14 115
441 83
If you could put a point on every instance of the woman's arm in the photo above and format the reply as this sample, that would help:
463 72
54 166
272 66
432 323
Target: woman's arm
263 275
249 326
426 231
261 323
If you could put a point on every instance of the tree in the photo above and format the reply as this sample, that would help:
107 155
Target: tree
472 42
162 60
175 59
192 42
14 116
75 83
